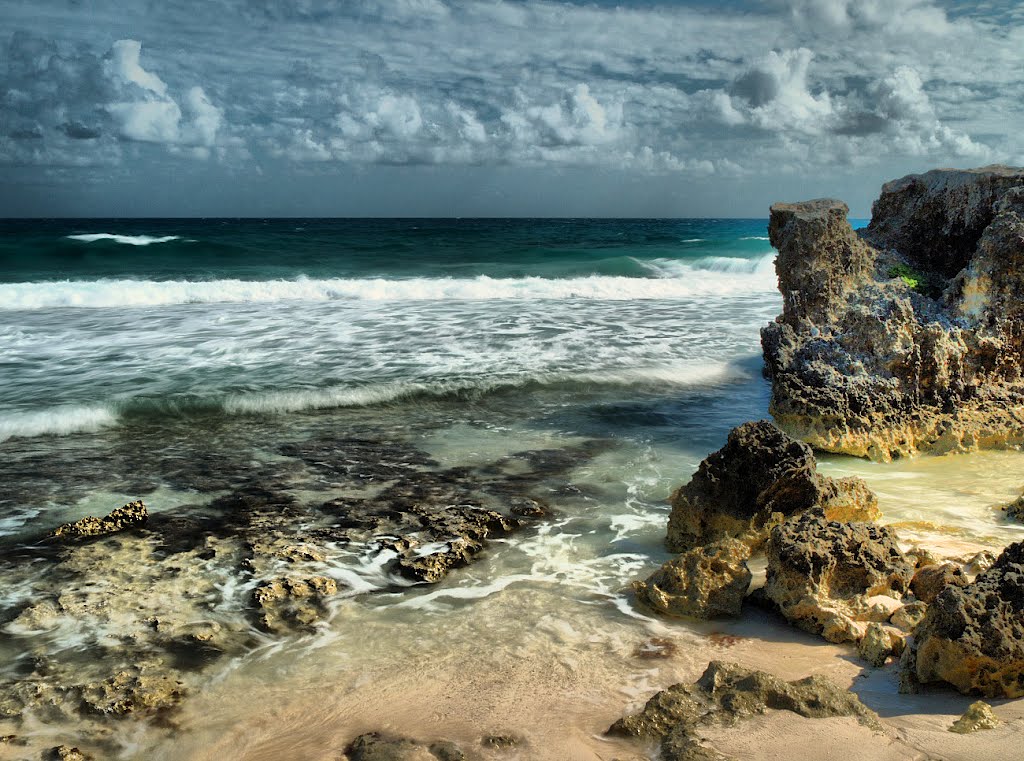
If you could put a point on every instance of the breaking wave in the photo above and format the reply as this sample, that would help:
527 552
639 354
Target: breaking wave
668 279
131 240
64 420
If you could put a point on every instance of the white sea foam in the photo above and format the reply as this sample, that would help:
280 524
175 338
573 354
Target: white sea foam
56 420
755 237
672 279
131 240
64 420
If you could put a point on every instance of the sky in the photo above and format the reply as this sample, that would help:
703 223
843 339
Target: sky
495 107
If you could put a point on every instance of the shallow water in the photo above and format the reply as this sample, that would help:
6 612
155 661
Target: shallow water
590 383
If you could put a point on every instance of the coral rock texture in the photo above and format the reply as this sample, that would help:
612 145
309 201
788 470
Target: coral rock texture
833 578
705 582
760 477
973 637
907 336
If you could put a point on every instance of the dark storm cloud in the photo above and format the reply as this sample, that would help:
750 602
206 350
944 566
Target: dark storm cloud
705 92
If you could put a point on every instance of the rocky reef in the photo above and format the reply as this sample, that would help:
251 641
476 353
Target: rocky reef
907 336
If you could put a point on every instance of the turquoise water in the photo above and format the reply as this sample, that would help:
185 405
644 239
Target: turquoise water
103 322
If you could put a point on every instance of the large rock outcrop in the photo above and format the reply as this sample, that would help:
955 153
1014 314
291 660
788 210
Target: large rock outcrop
760 477
973 636
907 336
833 578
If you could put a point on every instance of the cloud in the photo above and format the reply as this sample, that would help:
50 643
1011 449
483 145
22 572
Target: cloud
800 86
76 101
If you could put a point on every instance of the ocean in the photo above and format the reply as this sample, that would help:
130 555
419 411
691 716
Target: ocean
187 362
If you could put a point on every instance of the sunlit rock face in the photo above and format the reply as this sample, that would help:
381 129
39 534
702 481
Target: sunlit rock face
907 336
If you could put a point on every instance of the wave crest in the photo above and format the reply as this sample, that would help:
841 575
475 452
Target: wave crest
668 279
130 240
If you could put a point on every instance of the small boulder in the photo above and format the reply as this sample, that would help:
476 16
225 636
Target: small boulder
822 574
977 716
909 616
973 636
932 579
132 514
759 477
374 746
879 643
725 694
706 582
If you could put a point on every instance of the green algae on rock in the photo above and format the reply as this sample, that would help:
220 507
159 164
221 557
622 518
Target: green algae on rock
863 364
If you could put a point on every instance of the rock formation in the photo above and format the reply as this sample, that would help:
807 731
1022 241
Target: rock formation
973 636
977 716
705 582
132 514
907 336
725 694
760 477
833 578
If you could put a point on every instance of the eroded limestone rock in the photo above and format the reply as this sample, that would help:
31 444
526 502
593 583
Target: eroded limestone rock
132 514
880 643
705 582
727 693
908 336
823 575
973 637
760 477
977 716
375 746
932 579
292 602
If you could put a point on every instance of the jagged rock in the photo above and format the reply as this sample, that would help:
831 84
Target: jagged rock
134 690
907 337
292 602
932 579
879 643
758 478
66 753
132 514
501 741
374 746
977 716
822 575
706 582
1015 509
909 616
973 637
727 693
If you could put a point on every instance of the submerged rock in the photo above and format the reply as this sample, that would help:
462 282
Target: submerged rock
292 602
727 693
760 477
66 753
375 746
706 582
906 337
973 636
132 514
825 576
977 716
